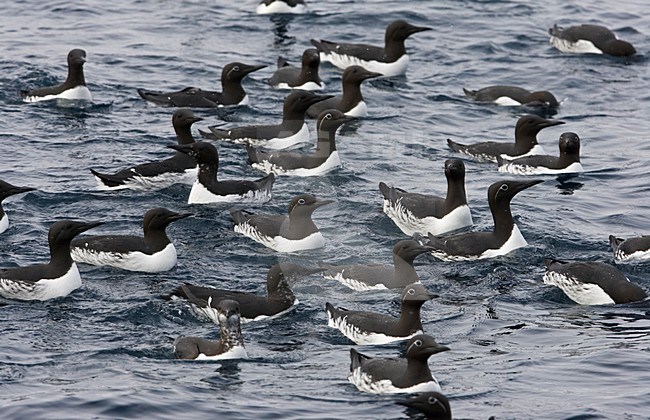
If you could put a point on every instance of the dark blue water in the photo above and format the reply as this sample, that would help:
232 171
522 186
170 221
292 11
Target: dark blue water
520 349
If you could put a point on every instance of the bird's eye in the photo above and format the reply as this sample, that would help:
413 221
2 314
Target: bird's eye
504 187
411 291
432 400
328 116
236 68
301 201
418 343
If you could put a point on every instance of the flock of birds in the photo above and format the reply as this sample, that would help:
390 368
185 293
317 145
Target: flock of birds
427 219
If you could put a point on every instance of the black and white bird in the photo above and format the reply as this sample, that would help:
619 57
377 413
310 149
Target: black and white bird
351 102
389 60
506 95
73 88
7 190
504 239
278 301
592 39
433 405
568 162
58 278
268 7
151 253
630 249
232 92
179 168
325 158
208 189
366 328
292 131
378 276
421 214
592 282
305 78
230 344
293 232
400 375
525 141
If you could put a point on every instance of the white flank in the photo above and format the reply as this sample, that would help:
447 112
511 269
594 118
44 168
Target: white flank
355 284
212 315
4 223
396 68
333 161
514 168
237 352
280 7
506 101
579 292
78 93
635 256
244 101
535 151
459 217
363 338
364 382
164 180
201 195
43 289
311 86
359 110
581 46
301 136
163 260
279 243
515 241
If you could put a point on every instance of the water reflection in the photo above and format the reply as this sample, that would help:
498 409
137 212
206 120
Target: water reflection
281 29
566 185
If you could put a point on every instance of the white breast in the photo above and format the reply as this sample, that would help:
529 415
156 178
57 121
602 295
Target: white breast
359 110
279 243
236 352
311 86
163 260
581 46
43 289
364 382
362 337
396 68
579 292
515 241
81 93
459 217
332 162
280 7
201 195
4 223
301 136
355 284
506 101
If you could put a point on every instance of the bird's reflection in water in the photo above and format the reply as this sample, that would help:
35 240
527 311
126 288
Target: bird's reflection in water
281 29
566 185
